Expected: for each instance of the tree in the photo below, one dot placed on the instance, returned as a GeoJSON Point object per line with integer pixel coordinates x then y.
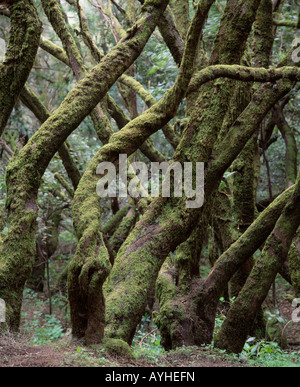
{"type": "Point", "coordinates": [225, 101]}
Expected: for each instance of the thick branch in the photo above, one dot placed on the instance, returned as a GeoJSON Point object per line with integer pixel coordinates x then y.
{"type": "Point", "coordinates": [33, 103]}
{"type": "Point", "coordinates": [240, 318]}
{"type": "Point", "coordinates": [25, 171]}
{"type": "Point", "coordinates": [286, 23]}
{"type": "Point", "coordinates": [20, 55]}
{"type": "Point", "coordinates": [243, 73]}
{"type": "Point", "coordinates": [290, 144]}
{"type": "Point", "coordinates": [244, 247]}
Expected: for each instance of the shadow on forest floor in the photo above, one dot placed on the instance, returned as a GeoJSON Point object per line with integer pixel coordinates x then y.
{"type": "Point", "coordinates": [45, 341]}
{"type": "Point", "coordinates": [16, 351]}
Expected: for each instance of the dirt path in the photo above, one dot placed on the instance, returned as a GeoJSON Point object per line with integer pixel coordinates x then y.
{"type": "Point", "coordinates": [17, 353]}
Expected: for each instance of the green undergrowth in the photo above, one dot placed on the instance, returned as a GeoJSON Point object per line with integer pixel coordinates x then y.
{"type": "Point", "coordinates": [42, 324]}
{"type": "Point", "coordinates": [146, 343]}
{"type": "Point", "coordinates": [269, 354]}
{"type": "Point", "coordinates": [44, 328]}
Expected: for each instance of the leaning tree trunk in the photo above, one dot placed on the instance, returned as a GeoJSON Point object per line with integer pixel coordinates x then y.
{"type": "Point", "coordinates": [294, 264]}
{"type": "Point", "coordinates": [14, 71]}
{"type": "Point", "coordinates": [26, 169]}
{"type": "Point", "coordinates": [161, 230]}
{"type": "Point", "coordinates": [167, 223]}
{"type": "Point", "coordinates": [208, 292]}
{"type": "Point", "coordinates": [130, 138]}
{"type": "Point", "coordinates": [22, 47]}
{"type": "Point", "coordinates": [241, 315]}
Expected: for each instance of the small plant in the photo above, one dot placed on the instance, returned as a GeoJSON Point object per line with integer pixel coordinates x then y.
{"type": "Point", "coordinates": [88, 357]}
{"type": "Point", "coordinates": [269, 354]}
{"type": "Point", "coordinates": [146, 343]}
{"type": "Point", "coordinates": [220, 317]}
{"type": "Point", "coordinates": [44, 328]}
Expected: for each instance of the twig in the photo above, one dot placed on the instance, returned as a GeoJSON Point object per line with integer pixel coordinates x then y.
{"type": "Point", "coordinates": [46, 260]}
{"type": "Point", "coordinates": [100, 7]}
{"type": "Point", "coordinates": [267, 164]}
{"type": "Point", "coordinates": [143, 338]}
{"type": "Point", "coordinates": [6, 147]}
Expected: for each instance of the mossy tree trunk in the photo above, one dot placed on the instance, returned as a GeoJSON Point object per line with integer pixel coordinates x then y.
{"type": "Point", "coordinates": [241, 315]}
{"type": "Point", "coordinates": [123, 260]}
{"type": "Point", "coordinates": [22, 47]}
{"type": "Point", "coordinates": [294, 264]}
{"type": "Point", "coordinates": [126, 141]}
{"type": "Point", "coordinates": [25, 170]}
{"type": "Point", "coordinates": [167, 223]}
{"type": "Point", "coordinates": [209, 291]}
{"type": "Point", "coordinates": [290, 143]}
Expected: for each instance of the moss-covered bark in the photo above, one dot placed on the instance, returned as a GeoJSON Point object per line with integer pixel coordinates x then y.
{"type": "Point", "coordinates": [169, 31]}
{"type": "Point", "coordinates": [167, 222]}
{"type": "Point", "coordinates": [46, 247]}
{"type": "Point", "coordinates": [181, 13]}
{"type": "Point", "coordinates": [22, 47]}
{"type": "Point", "coordinates": [294, 264]}
{"type": "Point", "coordinates": [290, 144]}
{"type": "Point", "coordinates": [72, 57]}
{"type": "Point", "coordinates": [241, 315]}
{"type": "Point", "coordinates": [123, 230]}
{"type": "Point", "coordinates": [246, 166]}
{"type": "Point", "coordinates": [176, 318]}
{"type": "Point", "coordinates": [244, 202]}
{"type": "Point", "coordinates": [263, 34]}
{"type": "Point", "coordinates": [171, 35]}
{"type": "Point", "coordinates": [110, 227]}
{"type": "Point", "coordinates": [217, 105]}
{"type": "Point", "coordinates": [59, 23]}
{"type": "Point", "coordinates": [24, 39]}
{"type": "Point", "coordinates": [55, 15]}
{"type": "Point", "coordinates": [161, 229]}
{"type": "Point", "coordinates": [26, 169]}
{"type": "Point", "coordinates": [92, 257]}
{"type": "Point", "coordinates": [212, 288]}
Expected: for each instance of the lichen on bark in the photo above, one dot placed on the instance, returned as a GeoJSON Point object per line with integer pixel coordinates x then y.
{"type": "Point", "coordinates": [22, 47]}
{"type": "Point", "coordinates": [241, 315]}
{"type": "Point", "coordinates": [27, 167]}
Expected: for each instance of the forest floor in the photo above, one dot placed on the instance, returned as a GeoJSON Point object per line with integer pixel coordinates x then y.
{"type": "Point", "coordinates": [45, 341]}
{"type": "Point", "coordinates": [16, 352]}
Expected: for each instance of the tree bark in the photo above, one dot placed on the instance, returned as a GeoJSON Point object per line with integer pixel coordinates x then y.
{"type": "Point", "coordinates": [22, 47]}
{"type": "Point", "coordinates": [167, 223]}
{"type": "Point", "coordinates": [26, 169]}
{"type": "Point", "coordinates": [241, 315]}
{"type": "Point", "coordinates": [290, 144]}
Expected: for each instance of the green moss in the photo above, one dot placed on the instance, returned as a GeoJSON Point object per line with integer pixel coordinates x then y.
{"type": "Point", "coordinates": [263, 34]}
{"type": "Point", "coordinates": [110, 227]}
{"type": "Point", "coordinates": [117, 348]}
{"type": "Point", "coordinates": [20, 55]}
{"type": "Point", "coordinates": [55, 15]}
{"type": "Point", "coordinates": [294, 259]}
{"type": "Point", "coordinates": [123, 230]}
{"type": "Point", "coordinates": [2, 219]}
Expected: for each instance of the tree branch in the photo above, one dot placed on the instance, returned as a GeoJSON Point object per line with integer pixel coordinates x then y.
{"type": "Point", "coordinates": [243, 73]}
{"type": "Point", "coordinates": [22, 47]}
